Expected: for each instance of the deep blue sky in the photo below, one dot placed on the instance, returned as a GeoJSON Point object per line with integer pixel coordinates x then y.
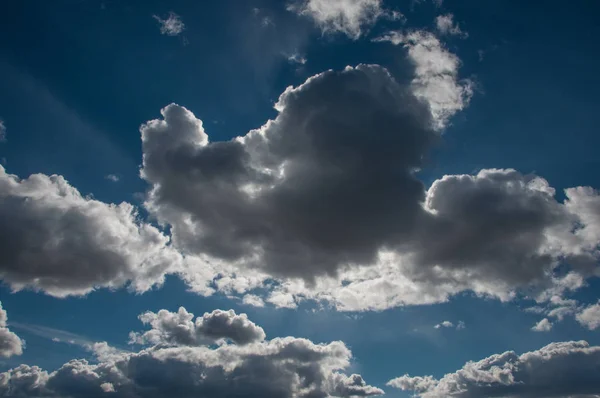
{"type": "Point", "coordinates": [77, 78]}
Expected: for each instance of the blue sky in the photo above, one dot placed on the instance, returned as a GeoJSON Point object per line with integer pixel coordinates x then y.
{"type": "Point", "coordinates": [457, 87]}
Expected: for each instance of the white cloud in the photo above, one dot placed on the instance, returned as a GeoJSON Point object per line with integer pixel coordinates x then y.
{"type": "Point", "coordinates": [566, 369]}
{"type": "Point", "coordinates": [112, 177]}
{"type": "Point", "coordinates": [350, 17]}
{"type": "Point", "coordinates": [446, 26]}
{"type": "Point", "coordinates": [436, 74]}
{"type": "Point", "coordinates": [253, 300]}
{"type": "Point", "coordinates": [172, 25]}
{"type": "Point", "coordinates": [178, 328]}
{"type": "Point", "coordinates": [445, 324]}
{"type": "Point", "coordinates": [10, 343]}
{"type": "Point", "coordinates": [281, 367]}
{"type": "Point", "coordinates": [55, 240]}
{"type": "Point", "coordinates": [542, 326]}
{"type": "Point", "coordinates": [590, 316]}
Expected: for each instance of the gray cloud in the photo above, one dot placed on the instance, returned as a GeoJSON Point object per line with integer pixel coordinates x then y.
{"type": "Point", "coordinates": [327, 183]}
{"type": "Point", "coordinates": [324, 198]}
{"type": "Point", "coordinates": [10, 343]}
{"type": "Point", "coordinates": [282, 367]}
{"type": "Point", "coordinates": [568, 369]}
{"type": "Point", "coordinates": [178, 328]}
{"type": "Point", "coordinates": [56, 240]}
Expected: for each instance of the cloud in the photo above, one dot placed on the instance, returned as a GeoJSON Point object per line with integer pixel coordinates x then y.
{"type": "Point", "coordinates": [297, 197]}
{"type": "Point", "coordinates": [10, 343]}
{"type": "Point", "coordinates": [179, 329]}
{"type": "Point", "coordinates": [296, 59]}
{"type": "Point", "coordinates": [253, 300]}
{"type": "Point", "coordinates": [566, 369]}
{"type": "Point", "coordinates": [2, 131]}
{"type": "Point", "coordinates": [112, 177]}
{"type": "Point", "coordinates": [542, 326]}
{"type": "Point", "coordinates": [311, 207]}
{"type": "Point", "coordinates": [446, 26]}
{"type": "Point", "coordinates": [445, 324]}
{"type": "Point", "coordinates": [590, 317]}
{"type": "Point", "coordinates": [350, 17]}
{"type": "Point", "coordinates": [281, 367]}
{"type": "Point", "coordinates": [56, 335]}
{"type": "Point", "coordinates": [172, 25]}
{"type": "Point", "coordinates": [55, 240]}
{"type": "Point", "coordinates": [436, 74]}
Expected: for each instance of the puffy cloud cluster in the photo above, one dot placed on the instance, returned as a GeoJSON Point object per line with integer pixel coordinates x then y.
{"type": "Point", "coordinates": [10, 343]}
{"type": "Point", "coordinates": [323, 203]}
{"type": "Point", "coordinates": [281, 367]}
{"type": "Point", "coordinates": [56, 240]}
{"type": "Point", "coordinates": [178, 328]}
{"type": "Point", "coordinates": [350, 17]}
{"type": "Point", "coordinates": [436, 74]}
{"type": "Point", "coordinates": [568, 369]}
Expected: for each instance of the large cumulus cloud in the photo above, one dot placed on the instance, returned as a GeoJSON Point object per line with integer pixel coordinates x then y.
{"type": "Point", "coordinates": [281, 367]}
{"type": "Point", "coordinates": [569, 369]}
{"type": "Point", "coordinates": [325, 199]}
{"type": "Point", "coordinates": [56, 240]}
{"type": "Point", "coordinates": [327, 183]}
{"type": "Point", "coordinates": [10, 343]}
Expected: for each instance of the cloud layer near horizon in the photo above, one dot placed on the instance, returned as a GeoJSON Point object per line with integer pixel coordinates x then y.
{"type": "Point", "coordinates": [566, 369]}
{"type": "Point", "coordinates": [281, 367]}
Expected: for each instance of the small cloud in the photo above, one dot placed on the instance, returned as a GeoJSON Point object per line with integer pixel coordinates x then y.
{"type": "Point", "coordinates": [253, 300]}
{"type": "Point", "coordinates": [112, 177]}
{"type": "Point", "coordinates": [172, 25]}
{"type": "Point", "coordinates": [107, 387]}
{"type": "Point", "coordinates": [542, 326]}
{"type": "Point", "coordinates": [446, 26]}
{"type": "Point", "coordinates": [481, 54]}
{"type": "Point", "coordinates": [296, 59]}
{"type": "Point", "coordinates": [590, 317]}
{"type": "Point", "coordinates": [445, 324]}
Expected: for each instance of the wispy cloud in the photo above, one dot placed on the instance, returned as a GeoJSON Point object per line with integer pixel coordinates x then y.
{"type": "Point", "coordinates": [170, 26]}
{"type": "Point", "coordinates": [56, 335]}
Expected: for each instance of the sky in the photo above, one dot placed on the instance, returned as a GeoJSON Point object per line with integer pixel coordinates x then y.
{"type": "Point", "coordinates": [300, 198]}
